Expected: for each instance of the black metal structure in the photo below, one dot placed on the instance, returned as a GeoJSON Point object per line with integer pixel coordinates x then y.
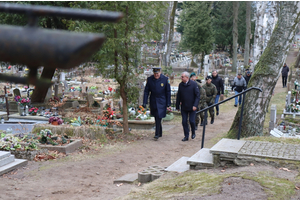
{"type": "Point", "coordinates": [37, 47]}
{"type": "Point", "coordinates": [241, 118]}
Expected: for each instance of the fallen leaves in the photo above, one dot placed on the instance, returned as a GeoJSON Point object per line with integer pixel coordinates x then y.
{"type": "Point", "coordinates": [51, 155]}
{"type": "Point", "coordinates": [118, 185]}
{"type": "Point", "coordinates": [297, 187]}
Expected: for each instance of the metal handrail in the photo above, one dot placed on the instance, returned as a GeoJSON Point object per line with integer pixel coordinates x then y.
{"type": "Point", "coordinates": [211, 106]}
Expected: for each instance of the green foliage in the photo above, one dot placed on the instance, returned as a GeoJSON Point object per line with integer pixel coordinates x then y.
{"type": "Point", "coordinates": [142, 22]}
{"type": "Point", "coordinates": [45, 22]}
{"type": "Point", "coordinates": [197, 27]}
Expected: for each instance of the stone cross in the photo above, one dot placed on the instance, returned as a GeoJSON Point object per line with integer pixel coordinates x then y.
{"type": "Point", "coordinates": [289, 98]}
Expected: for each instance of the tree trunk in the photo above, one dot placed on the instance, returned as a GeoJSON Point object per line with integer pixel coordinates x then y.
{"type": "Point", "coordinates": [267, 72]}
{"type": "Point", "coordinates": [125, 109]}
{"type": "Point", "coordinates": [248, 33]}
{"type": "Point", "coordinates": [298, 60]}
{"type": "Point", "coordinates": [235, 34]}
{"type": "Point", "coordinates": [258, 39]}
{"type": "Point", "coordinates": [272, 19]}
{"type": "Point", "coordinates": [40, 92]}
{"type": "Point", "coordinates": [171, 32]}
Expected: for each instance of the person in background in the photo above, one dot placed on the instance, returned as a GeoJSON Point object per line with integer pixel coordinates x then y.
{"type": "Point", "coordinates": [211, 93]}
{"type": "Point", "coordinates": [160, 98]}
{"type": "Point", "coordinates": [202, 102]}
{"type": "Point", "coordinates": [247, 77]}
{"type": "Point", "coordinates": [239, 84]}
{"type": "Point", "coordinates": [218, 82]}
{"type": "Point", "coordinates": [284, 72]}
{"type": "Point", "coordinates": [188, 97]}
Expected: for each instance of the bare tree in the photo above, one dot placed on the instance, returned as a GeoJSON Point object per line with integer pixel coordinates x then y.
{"type": "Point", "coordinates": [272, 19]}
{"type": "Point", "coordinates": [248, 33]}
{"type": "Point", "coordinates": [171, 31]}
{"type": "Point", "coordinates": [267, 72]}
{"type": "Point", "coordinates": [235, 33]}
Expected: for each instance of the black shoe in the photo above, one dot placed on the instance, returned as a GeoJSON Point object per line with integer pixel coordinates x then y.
{"type": "Point", "coordinates": [235, 105]}
{"type": "Point", "coordinates": [217, 112]}
{"type": "Point", "coordinates": [160, 136]}
{"type": "Point", "coordinates": [201, 123]}
{"type": "Point", "coordinates": [193, 136]}
{"type": "Point", "coordinates": [156, 137]}
{"type": "Point", "coordinates": [196, 127]}
{"type": "Point", "coordinates": [185, 139]}
{"type": "Point", "coordinates": [212, 120]}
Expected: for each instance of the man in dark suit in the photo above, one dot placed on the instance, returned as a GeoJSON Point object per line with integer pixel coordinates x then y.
{"type": "Point", "coordinates": [188, 97]}
{"type": "Point", "coordinates": [160, 98]}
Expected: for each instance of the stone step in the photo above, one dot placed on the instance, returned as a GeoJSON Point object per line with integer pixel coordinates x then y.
{"type": "Point", "coordinates": [201, 160]}
{"type": "Point", "coordinates": [14, 165]}
{"type": "Point", "coordinates": [4, 154]}
{"type": "Point", "coordinates": [179, 166]}
{"type": "Point", "coordinates": [227, 149]}
{"type": "Point", "coordinates": [7, 160]}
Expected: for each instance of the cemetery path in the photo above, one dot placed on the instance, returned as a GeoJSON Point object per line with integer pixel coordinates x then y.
{"type": "Point", "coordinates": [90, 175]}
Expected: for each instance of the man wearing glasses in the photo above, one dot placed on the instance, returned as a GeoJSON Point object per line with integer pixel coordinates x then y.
{"type": "Point", "coordinates": [160, 98]}
{"type": "Point", "coordinates": [188, 97]}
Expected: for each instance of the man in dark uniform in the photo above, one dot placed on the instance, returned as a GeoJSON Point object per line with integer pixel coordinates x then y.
{"type": "Point", "coordinates": [188, 97]}
{"type": "Point", "coordinates": [211, 93]}
{"type": "Point", "coordinates": [285, 72]}
{"type": "Point", "coordinates": [202, 102]}
{"type": "Point", "coordinates": [160, 98]}
{"type": "Point", "coordinates": [218, 82]}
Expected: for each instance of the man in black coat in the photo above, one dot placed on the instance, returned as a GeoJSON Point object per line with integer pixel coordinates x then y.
{"type": "Point", "coordinates": [160, 98]}
{"type": "Point", "coordinates": [285, 71]}
{"type": "Point", "coordinates": [188, 97]}
{"type": "Point", "coordinates": [218, 82]}
{"type": "Point", "coordinates": [247, 77]}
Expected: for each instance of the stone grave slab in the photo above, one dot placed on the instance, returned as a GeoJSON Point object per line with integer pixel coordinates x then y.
{"type": "Point", "coordinates": [4, 154]}
{"type": "Point", "coordinates": [227, 146]}
{"type": "Point", "coordinates": [201, 159]}
{"type": "Point", "coordinates": [273, 133]}
{"type": "Point", "coordinates": [13, 165]}
{"type": "Point", "coordinates": [7, 160]}
{"type": "Point", "coordinates": [179, 166]}
{"type": "Point", "coordinates": [128, 178]}
{"type": "Point", "coordinates": [69, 148]}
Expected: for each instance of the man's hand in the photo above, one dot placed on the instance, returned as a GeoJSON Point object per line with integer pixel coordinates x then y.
{"type": "Point", "coordinates": [222, 95]}
{"type": "Point", "coordinates": [194, 108]}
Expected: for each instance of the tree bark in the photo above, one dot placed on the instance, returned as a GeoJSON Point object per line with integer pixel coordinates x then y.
{"type": "Point", "coordinates": [40, 92]}
{"type": "Point", "coordinates": [171, 32]}
{"type": "Point", "coordinates": [258, 39]}
{"type": "Point", "coordinates": [298, 60]}
{"type": "Point", "coordinates": [267, 72]}
{"type": "Point", "coordinates": [272, 19]}
{"type": "Point", "coordinates": [235, 34]}
{"type": "Point", "coordinates": [248, 33]}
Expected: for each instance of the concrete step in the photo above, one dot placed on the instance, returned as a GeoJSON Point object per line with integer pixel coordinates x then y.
{"type": "Point", "coordinates": [14, 165]}
{"type": "Point", "coordinates": [227, 149]}
{"type": "Point", "coordinates": [179, 166]}
{"type": "Point", "coordinates": [201, 160]}
{"type": "Point", "coordinates": [7, 160]}
{"type": "Point", "coordinates": [4, 154]}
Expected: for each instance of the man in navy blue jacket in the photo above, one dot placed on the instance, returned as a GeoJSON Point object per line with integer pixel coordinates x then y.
{"type": "Point", "coordinates": [160, 98]}
{"type": "Point", "coordinates": [188, 97]}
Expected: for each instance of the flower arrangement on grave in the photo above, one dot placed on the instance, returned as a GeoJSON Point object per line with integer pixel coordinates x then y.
{"type": "Point", "coordinates": [108, 113]}
{"type": "Point", "coordinates": [33, 110]}
{"type": "Point", "coordinates": [53, 120]}
{"type": "Point", "coordinates": [45, 137]}
{"type": "Point", "coordinates": [22, 101]}
{"type": "Point", "coordinates": [295, 107]}
{"type": "Point", "coordinates": [9, 142]}
{"type": "Point", "coordinates": [169, 110]}
{"type": "Point", "coordinates": [142, 114]}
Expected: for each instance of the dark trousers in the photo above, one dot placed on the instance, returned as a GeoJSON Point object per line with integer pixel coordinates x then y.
{"type": "Point", "coordinates": [158, 128]}
{"type": "Point", "coordinates": [284, 79]}
{"type": "Point", "coordinates": [185, 115]}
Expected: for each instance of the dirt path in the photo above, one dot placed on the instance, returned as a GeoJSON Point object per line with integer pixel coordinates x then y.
{"type": "Point", "coordinates": [91, 175]}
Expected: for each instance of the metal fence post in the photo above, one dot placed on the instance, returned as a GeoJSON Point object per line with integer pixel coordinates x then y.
{"type": "Point", "coordinates": [203, 132]}
{"type": "Point", "coordinates": [241, 117]}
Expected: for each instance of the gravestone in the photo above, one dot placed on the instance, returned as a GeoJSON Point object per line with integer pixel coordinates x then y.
{"type": "Point", "coordinates": [289, 98]}
{"type": "Point", "coordinates": [90, 100]}
{"type": "Point", "coordinates": [272, 121]}
{"type": "Point", "coordinates": [62, 76]}
{"type": "Point", "coordinates": [48, 95]}
{"type": "Point", "coordinates": [56, 90]}
{"type": "Point", "coordinates": [16, 92]}
{"type": "Point", "coordinates": [75, 104]}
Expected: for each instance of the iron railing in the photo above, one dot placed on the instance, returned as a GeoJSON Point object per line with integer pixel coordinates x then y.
{"type": "Point", "coordinates": [241, 118]}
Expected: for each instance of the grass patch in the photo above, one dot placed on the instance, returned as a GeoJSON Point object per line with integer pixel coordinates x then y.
{"type": "Point", "coordinates": [200, 184]}
{"type": "Point", "coordinates": [274, 139]}
{"type": "Point", "coordinates": [189, 183]}
{"type": "Point", "coordinates": [277, 188]}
